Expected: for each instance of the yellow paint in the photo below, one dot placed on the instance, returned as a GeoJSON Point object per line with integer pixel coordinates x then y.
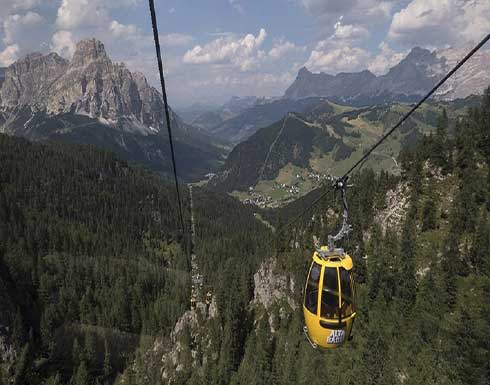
{"type": "Point", "coordinates": [317, 333]}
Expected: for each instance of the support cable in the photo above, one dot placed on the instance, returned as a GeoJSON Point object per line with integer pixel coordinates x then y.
{"type": "Point", "coordinates": [338, 183]}
{"type": "Point", "coordinates": [165, 102]}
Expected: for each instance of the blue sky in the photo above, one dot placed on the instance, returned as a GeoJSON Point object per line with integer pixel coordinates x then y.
{"type": "Point", "coordinates": [214, 49]}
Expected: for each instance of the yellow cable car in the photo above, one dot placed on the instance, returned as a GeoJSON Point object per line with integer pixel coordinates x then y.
{"type": "Point", "coordinates": [328, 305]}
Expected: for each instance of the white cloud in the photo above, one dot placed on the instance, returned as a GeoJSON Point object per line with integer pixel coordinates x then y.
{"type": "Point", "coordinates": [264, 79]}
{"type": "Point", "coordinates": [28, 32]}
{"type": "Point", "coordinates": [176, 40]}
{"type": "Point", "coordinates": [17, 26]}
{"type": "Point", "coordinates": [237, 5]}
{"type": "Point", "coordinates": [10, 6]}
{"type": "Point", "coordinates": [119, 30]}
{"type": "Point", "coordinates": [241, 52]}
{"type": "Point", "coordinates": [348, 32]}
{"type": "Point", "coordinates": [354, 11]}
{"type": "Point", "coordinates": [9, 55]}
{"type": "Point", "coordinates": [436, 23]}
{"type": "Point", "coordinates": [282, 48]}
{"type": "Point", "coordinates": [62, 42]}
{"type": "Point", "coordinates": [343, 59]}
{"type": "Point", "coordinates": [337, 53]}
{"type": "Point", "coordinates": [73, 14]}
{"type": "Point", "coordinates": [385, 59]}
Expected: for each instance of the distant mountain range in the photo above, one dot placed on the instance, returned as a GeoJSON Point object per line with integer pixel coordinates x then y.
{"type": "Point", "coordinates": [327, 138]}
{"type": "Point", "coordinates": [414, 76]}
{"type": "Point", "coordinates": [90, 99]}
{"type": "Point", "coordinates": [406, 82]}
{"type": "Point", "coordinates": [263, 113]}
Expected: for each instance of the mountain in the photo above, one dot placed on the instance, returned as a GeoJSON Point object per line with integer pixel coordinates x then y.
{"type": "Point", "coordinates": [342, 85]}
{"type": "Point", "coordinates": [470, 78]}
{"type": "Point", "coordinates": [414, 76]}
{"type": "Point", "coordinates": [95, 283]}
{"type": "Point", "coordinates": [189, 113]}
{"type": "Point", "coordinates": [2, 75]}
{"type": "Point", "coordinates": [263, 113]}
{"type": "Point", "coordinates": [211, 118]}
{"type": "Point", "coordinates": [90, 99]}
{"type": "Point", "coordinates": [297, 153]}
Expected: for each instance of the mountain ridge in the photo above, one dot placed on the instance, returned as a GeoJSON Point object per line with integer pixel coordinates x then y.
{"type": "Point", "coordinates": [412, 77]}
{"type": "Point", "coordinates": [121, 105]}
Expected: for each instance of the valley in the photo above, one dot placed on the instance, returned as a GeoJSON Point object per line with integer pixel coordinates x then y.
{"type": "Point", "coordinates": [100, 284]}
{"type": "Point", "coordinates": [270, 170]}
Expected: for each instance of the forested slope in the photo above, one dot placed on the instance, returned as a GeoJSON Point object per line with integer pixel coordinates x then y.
{"type": "Point", "coordinates": [87, 250]}
{"type": "Point", "coordinates": [94, 305]}
{"type": "Point", "coordinates": [421, 246]}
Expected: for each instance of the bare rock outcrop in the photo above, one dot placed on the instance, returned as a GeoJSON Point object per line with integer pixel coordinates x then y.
{"type": "Point", "coordinates": [90, 84]}
{"type": "Point", "coordinates": [271, 287]}
{"type": "Point", "coordinates": [397, 202]}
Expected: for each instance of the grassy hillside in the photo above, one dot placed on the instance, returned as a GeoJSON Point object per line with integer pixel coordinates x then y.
{"type": "Point", "coordinates": [325, 140]}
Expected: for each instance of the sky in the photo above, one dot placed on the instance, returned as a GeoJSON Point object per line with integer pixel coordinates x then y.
{"type": "Point", "coordinates": [214, 49]}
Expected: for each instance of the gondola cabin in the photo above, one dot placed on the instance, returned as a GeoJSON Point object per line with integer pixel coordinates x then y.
{"type": "Point", "coordinates": [328, 305]}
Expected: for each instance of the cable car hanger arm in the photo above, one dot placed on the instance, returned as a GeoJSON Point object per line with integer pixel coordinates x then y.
{"type": "Point", "coordinates": [341, 184]}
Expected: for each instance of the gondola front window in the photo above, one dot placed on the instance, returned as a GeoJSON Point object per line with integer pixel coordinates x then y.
{"type": "Point", "coordinates": [330, 294]}
{"type": "Point", "coordinates": [311, 293]}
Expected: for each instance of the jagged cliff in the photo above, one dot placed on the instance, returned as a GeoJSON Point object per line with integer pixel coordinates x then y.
{"type": "Point", "coordinates": [90, 84]}
{"type": "Point", "coordinates": [414, 76]}
{"type": "Point", "coordinates": [90, 99]}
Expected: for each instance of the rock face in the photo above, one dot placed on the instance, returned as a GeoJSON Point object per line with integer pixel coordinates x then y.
{"type": "Point", "coordinates": [414, 76]}
{"type": "Point", "coordinates": [471, 78]}
{"type": "Point", "coordinates": [397, 202]}
{"type": "Point", "coordinates": [343, 85]}
{"type": "Point", "coordinates": [2, 75]}
{"type": "Point", "coordinates": [90, 84]}
{"type": "Point", "coordinates": [91, 99]}
{"type": "Point", "coordinates": [270, 287]}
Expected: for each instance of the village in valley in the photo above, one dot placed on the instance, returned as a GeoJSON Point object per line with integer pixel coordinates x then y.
{"type": "Point", "coordinates": [278, 194]}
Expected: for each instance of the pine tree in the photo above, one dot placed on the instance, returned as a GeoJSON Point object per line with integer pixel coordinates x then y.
{"type": "Point", "coordinates": [81, 376]}
{"type": "Point", "coordinates": [406, 280]}
{"type": "Point", "coordinates": [77, 355]}
{"type": "Point", "coordinates": [53, 380]}
{"type": "Point", "coordinates": [89, 351]}
{"type": "Point", "coordinates": [18, 332]}
{"type": "Point", "coordinates": [22, 366]}
{"type": "Point", "coordinates": [439, 153]}
{"type": "Point", "coordinates": [107, 368]}
{"type": "Point", "coordinates": [429, 214]}
{"type": "Point", "coordinates": [480, 256]}
{"type": "Point", "coordinates": [428, 309]}
{"type": "Point", "coordinates": [376, 263]}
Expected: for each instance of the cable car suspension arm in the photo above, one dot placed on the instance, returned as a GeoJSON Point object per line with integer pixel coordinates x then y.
{"type": "Point", "coordinates": [341, 184]}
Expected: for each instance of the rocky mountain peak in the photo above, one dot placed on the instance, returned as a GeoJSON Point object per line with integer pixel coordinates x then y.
{"type": "Point", "coordinates": [303, 72]}
{"type": "Point", "coordinates": [418, 52]}
{"type": "Point", "coordinates": [412, 77]}
{"type": "Point", "coordinates": [90, 84]}
{"type": "Point", "coordinates": [89, 50]}
{"type": "Point", "coordinates": [419, 57]}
